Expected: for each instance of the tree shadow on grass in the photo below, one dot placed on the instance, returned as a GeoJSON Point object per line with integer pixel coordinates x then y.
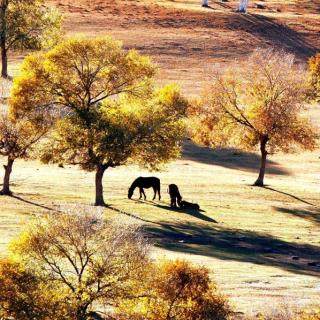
{"type": "Point", "coordinates": [290, 195]}
{"type": "Point", "coordinates": [131, 215]}
{"type": "Point", "coordinates": [33, 203]}
{"type": "Point", "coordinates": [229, 158]}
{"type": "Point", "coordinates": [236, 245]}
{"type": "Point", "coordinates": [312, 215]}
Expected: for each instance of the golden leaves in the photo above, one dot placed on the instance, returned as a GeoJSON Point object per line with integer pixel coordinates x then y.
{"type": "Point", "coordinates": [264, 95]}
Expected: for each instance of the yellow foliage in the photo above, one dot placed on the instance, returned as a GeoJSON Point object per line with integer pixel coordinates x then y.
{"type": "Point", "coordinates": [258, 103]}
{"type": "Point", "coordinates": [314, 76]}
{"type": "Point", "coordinates": [24, 296]}
{"type": "Point", "coordinates": [176, 290]}
{"type": "Point", "coordinates": [106, 107]}
{"type": "Point", "coordinates": [264, 97]}
{"type": "Point", "coordinates": [312, 313]}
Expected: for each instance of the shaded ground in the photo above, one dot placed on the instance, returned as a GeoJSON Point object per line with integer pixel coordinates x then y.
{"type": "Point", "coordinates": [230, 158]}
{"type": "Point", "coordinates": [233, 244]}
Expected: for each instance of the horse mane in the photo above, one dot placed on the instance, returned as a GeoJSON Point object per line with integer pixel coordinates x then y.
{"type": "Point", "coordinates": [133, 185]}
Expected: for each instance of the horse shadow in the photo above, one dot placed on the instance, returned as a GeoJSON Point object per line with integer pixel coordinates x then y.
{"type": "Point", "coordinates": [192, 212]}
{"type": "Point", "coordinates": [189, 211]}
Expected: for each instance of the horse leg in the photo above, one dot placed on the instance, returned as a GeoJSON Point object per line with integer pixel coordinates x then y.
{"type": "Point", "coordinates": [174, 202]}
{"type": "Point", "coordinates": [140, 190]}
{"type": "Point", "coordinates": [154, 193]}
{"type": "Point", "coordinates": [159, 193]}
{"type": "Point", "coordinates": [145, 198]}
{"type": "Point", "coordinates": [179, 199]}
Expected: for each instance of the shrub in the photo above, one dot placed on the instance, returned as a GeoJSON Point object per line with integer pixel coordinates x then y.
{"type": "Point", "coordinates": [25, 296]}
{"type": "Point", "coordinates": [312, 313]}
{"type": "Point", "coordinates": [314, 72]}
{"type": "Point", "coordinates": [177, 290]}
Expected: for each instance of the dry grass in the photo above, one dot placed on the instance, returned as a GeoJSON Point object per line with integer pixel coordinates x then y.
{"type": "Point", "coordinates": [185, 40]}
{"type": "Point", "coordinates": [247, 236]}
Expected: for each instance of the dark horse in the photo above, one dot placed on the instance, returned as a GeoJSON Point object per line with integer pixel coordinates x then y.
{"type": "Point", "coordinates": [175, 195]}
{"type": "Point", "coordinates": [145, 182]}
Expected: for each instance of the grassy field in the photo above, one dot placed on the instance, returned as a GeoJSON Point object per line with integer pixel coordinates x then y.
{"type": "Point", "coordinates": [260, 243]}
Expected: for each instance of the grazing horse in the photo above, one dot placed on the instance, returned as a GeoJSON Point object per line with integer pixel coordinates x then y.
{"type": "Point", "coordinates": [189, 205]}
{"type": "Point", "coordinates": [175, 195]}
{"type": "Point", "coordinates": [145, 182]}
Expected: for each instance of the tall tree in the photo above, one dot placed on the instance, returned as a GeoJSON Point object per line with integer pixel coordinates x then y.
{"type": "Point", "coordinates": [26, 24]}
{"type": "Point", "coordinates": [258, 103]}
{"type": "Point", "coordinates": [110, 111]}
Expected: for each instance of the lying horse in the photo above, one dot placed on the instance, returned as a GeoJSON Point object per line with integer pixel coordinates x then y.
{"type": "Point", "coordinates": [189, 205]}
{"type": "Point", "coordinates": [175, 195]}
{"type": "Point", "coordinates": [145, 182]}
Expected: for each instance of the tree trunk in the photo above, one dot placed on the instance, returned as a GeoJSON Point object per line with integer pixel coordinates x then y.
{"type": "Point", "coordinates": [3, 38]}
{"type": "Point", "coordinates": [101, 168]}
{"type": "Point", "coordinates": [263, 144]}
{"type": "Point", "coordinates": [81, 313]}
{"type": "Point", "coordinates": [4, 61]}
{"type": "Point", "coordinates": [6, 181]}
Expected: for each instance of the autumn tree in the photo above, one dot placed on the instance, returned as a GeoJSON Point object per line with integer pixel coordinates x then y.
{"type": "Point", "coordinates": [177, 290]}
{"type": "Point", "coordinates": [314, 76]}
{"type": "Point", "coordinates": [83, 259]}
{"type": "Point", "coordinates": [26, 24]}
{"type": "Point", "coordinates": [259, 103]}
{"type": "Point", "coordinates": [17, 140]}
{"type": "Point", "coordinates": [111, 112]}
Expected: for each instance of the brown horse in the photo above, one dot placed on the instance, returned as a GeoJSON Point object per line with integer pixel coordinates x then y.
{"type": "Point", "coordinates": [175, 195]}
{"type": "Point", "coordinates": [145, 182]}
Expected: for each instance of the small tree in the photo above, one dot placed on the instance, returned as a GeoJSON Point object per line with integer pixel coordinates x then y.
{"type": "Point", "coordinates": [257, 103]}
{"type": "Point", "coordinates": [111, 113]}
{"type": "Point", "coordinates": [180, 291]}
{"type": "Point", "coordinates": [26, 24]}
{"type": "Point", "coordinates": [89, 261]}
{"type": "Point", "coordinates": [314, 76]}
{"type": "Point", "coordinates": [17, 140]}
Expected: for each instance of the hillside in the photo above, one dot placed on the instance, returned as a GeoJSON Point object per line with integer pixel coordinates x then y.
{"type": "Point", "coordinates": [186, 40]}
